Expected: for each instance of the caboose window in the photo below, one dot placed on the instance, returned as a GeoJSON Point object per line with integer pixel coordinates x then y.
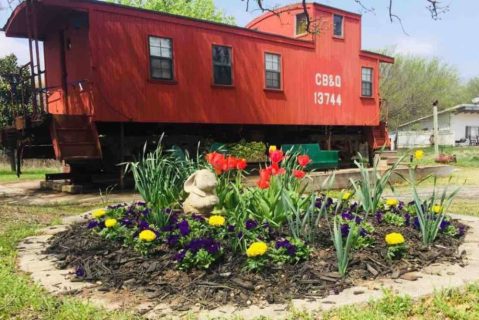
{"type": "Point", "coordinates": [338, 26]}
{"type": "Point", "coordinates": [367, 82]}
{"type": "Point", "coordinates": [161, 58]}
{"type": "Point", "coordinates": [272, 64]}
{"type": "Point", "coordinates": [301, 24]}
{"type": "Point", "coordinates": [222, 72]}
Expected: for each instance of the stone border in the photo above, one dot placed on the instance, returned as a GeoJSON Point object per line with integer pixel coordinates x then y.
{"type": "Point", "coordinates": [42, 269]}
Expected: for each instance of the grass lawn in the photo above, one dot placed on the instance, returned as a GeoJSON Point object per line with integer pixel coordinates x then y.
{"type": "Point", "coordinates": [20, 299]}
{"type": "Point", "coordinates": [466, 156]}
{"type": "Point", "coordinates": [31, 170]}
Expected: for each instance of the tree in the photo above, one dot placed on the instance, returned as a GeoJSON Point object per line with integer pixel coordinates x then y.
{"type": "Point", "coordinates": [411, 85]}
{"type": "Point", "coordinates": [14, 91]}
{"type": "Point", "coordinates": [471, 89]}
{"type": "Point", "coordinates": [199, 9]}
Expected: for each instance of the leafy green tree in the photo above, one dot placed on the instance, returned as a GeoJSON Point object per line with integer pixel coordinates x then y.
{"type": "Point", "coordinates": [12, 90]}
{"type": "Point", "coordinates": [411, 85]}
{"type": "Point", "coordinates": [200, 9]}
{"type": "Point", "coordinates": [471, 89]}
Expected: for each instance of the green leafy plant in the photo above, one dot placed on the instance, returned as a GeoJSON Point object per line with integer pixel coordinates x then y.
{"type": "Point", "coordinates": [370, 187]}
{"type": "Point", "coordinates": [303, 221]}
{"type": "Point", "coordinates": [431, 211]}
{"type": "Point", "coordinates": [159, 176]}
{"type": "Point", "coordinates": [394, 219]}
{"type": "Point", "coordinates": [343, 248]}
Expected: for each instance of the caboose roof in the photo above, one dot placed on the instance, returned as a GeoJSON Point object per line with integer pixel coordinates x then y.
{"type": "Point", "coordinates": [16, 25]}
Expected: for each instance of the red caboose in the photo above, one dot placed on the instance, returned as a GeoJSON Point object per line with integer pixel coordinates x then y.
{"type": "Point", "coordinates": [116, 75]}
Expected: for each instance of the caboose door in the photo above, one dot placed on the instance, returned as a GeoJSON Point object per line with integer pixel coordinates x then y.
{"type": "Point", "coordinates": [77, 65]}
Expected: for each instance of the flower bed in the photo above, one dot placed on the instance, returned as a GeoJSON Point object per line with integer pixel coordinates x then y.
{"type": "Point", "coordinates": [269, 243]}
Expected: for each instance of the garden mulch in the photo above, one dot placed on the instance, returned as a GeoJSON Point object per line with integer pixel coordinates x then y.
{"type": "Point", "coordinates": [117, 267]}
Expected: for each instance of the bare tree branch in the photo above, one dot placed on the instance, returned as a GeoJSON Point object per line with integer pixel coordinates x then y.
{"type": "Point", "coordinates": [435, 8]}
{"type": "Point", "coordinates": [393, 16]}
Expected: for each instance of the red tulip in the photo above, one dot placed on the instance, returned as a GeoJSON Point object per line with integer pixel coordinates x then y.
{"type": "Point", "coordinates": [276, 156]}
{"type": "Point", "coordinates": [231, 163]}
{"type": "Point", "coordinates": [275, 170]}
{"type": "Point", "coordinates": [304, 160]}
{"type": "Point", "coordinates": [299, 174]}
{"type": "Point", "coordinates": [217, 161]}
{"type": "Point", "coordinates": [265, 174]}
{"type": "Point", "coordinates": [241, 164]}
{"type": "Point", "coordinates": [263, 184]}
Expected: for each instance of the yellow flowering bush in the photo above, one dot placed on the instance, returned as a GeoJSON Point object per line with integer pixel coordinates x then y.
{"type": "Point", "coordinates": [394, 238]}
{"type": "Point", "coordinates": [347, 195]}
{"type": "Point", "coordinates": [392, 202]}
{"type": "Point", "coordinates": [147, 236]}
{"type": "Point", "coordinates": [98, 213]}
{"type": "Point", "coordinates": [258, 248]}
{"type": "Point", "coordinates": [216, 221]}
{"type": "Point", "coordinates": [419, 154]}
{"type": "Point", "coordinates": [437, 208]}
{"type": "Point", "coordinates": [110, 223]}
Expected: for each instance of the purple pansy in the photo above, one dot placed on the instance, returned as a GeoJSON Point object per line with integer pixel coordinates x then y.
{"type": "Point", "coordinates": [80, 272]}
{"type": "Point", "coordinates": [143, 225]}
{"type": "Point", "coordinates": [379, 216]}
{"type": "Point", "coordinates": [344, 229]}
{"type": "Point", "coordinates": [407, 219]}
{"type": "Point", "coordinates": [184, 228]}
{"type": "Point", "coordinates": [198, 217]}
{"type": "Point", "coordinates": [92, 224]}
{"type": "Point", "coordinates": [251, 224]}
{"type": "Point", "coordinates": [347, 215]}
{"type": "Point", "coordinates": [444, 224]}
{"type": "Point", "coordinates": [358, 220]}
{"type": "Point", "coordinates": [180, 255]}
{"type": "Point", "coordinates": [416, 223]}
{"type": "Point", "coordinates": [290, 248]}
{"type": "Point", "coordinates": [172, 240]}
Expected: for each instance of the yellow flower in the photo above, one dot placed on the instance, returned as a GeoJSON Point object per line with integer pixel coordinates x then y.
{"type": "Point", "coordinates": [110, 223]}
{"type": "Point", "coordinates": [392, 202]}
{"type": "Point", "coordinates": [394, 239]}
{"type": "Point", "coordinates": [147, 235]}
{"type": "Point", "coordinates": [272, 148]}
{"type": "Point", "coordinates": [347, 195]}
{"type": "Point", "coordinates": [98, 213]}
{"type": "Point", "coordinates": [436, 208]}
{"type": "Point", "coordinates": [216, 221]}
{"type": "Point", "coordinates": [257, 249]}
{"type": "Point", "coordinates": [419, 154]}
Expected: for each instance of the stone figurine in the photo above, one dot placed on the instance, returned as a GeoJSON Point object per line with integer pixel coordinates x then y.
{"type": "Point", "coordinates": [201, 187]}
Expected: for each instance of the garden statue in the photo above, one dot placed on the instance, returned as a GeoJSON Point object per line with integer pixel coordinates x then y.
{"type": "Point", "coordinates": [201, 187]}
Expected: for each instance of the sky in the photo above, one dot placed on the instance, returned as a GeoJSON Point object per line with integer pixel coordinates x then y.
{"type": "Point", "coordinates": [453, 38]}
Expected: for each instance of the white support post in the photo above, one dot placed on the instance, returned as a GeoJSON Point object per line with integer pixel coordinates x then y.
{"type": "Point", "coordinates": [436, 132]}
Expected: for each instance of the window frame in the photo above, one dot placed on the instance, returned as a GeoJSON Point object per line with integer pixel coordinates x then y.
{"type": "Point", "coordinates": [296, 34]}
{"type": "Point", "coordinates": [265, 71]}
{"type": "Point", "coordinates": [171, 80]}
{"type": "Point", "coordinates": [231, 66]}
{"type": "Point", "coordinates": [371, 82]}
{"type": "Point", "coordinates": [342, 26]}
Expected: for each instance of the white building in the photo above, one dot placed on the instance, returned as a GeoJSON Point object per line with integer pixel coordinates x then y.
{"type": "Point", "coordinates": [459, 124]}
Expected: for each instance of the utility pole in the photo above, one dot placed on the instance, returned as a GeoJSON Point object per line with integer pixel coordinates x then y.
{"type": "Point", "coordinates": [436, 128]}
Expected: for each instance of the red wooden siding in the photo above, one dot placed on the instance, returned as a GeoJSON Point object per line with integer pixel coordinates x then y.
{"type": "Point", "coordinates": [111, 62]}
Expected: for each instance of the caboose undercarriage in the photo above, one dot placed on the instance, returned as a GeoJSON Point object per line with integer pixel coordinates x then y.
{"type": "Point", "coordinates": [90, 148]}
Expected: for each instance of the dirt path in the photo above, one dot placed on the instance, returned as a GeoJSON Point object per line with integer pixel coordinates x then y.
{"type": "Point", "coordinates": [29, 192]}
